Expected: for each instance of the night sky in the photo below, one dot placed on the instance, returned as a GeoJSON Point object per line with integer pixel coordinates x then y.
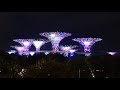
{"type": "Point", "coordinates": [105, 25]}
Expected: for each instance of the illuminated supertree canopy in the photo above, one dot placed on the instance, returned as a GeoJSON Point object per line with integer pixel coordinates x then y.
{"type": "Point", "coordinates": [20, 49]}
{"type": "Point", "coordinates": [87, 42]}
{"type": "Point", "coordinates": [24, 42]}
{"type": "Point", "coordinates": [55, 38]}
{"type": "Point", "coordinates": [68, 49]}
{"type": "Point", "coordinates": [39, 43]}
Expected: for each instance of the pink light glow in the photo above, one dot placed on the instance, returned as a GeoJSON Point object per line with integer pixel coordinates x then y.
{"type": "Point", "coordinates": [20, 49]}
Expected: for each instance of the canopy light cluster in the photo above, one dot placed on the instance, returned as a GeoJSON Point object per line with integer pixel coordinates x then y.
{"type": "Point", "coordinates": [87, 42]}
{"type": "Point", "coordinates": [55, 38]}
{"type": "Point", "coordinates": [68, 49]}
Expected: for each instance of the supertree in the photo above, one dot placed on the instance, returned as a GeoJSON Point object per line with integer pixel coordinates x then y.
{"type": "Point", "coordinates": [55, 38]}
{"type": "Point", "coordinates": [68, 49]}
{"type": "Point", "coordinates": [26, 43]}
{"type": "Point", "coordinates": [87, 43]}
{"type": "Point", "coordinates": [19, 49]}
{"type": "Point", "coordinates": [38, 43]}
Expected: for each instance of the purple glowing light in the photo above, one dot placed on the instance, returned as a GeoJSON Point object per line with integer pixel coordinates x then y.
{"type": "Point", "coordinates": [71, 54]}
{"type": "Point", "coordinates": [24, 42]}
{"type": "Point", "coordinates": [55, 38]}
{"type": "Point", "coordinates": [68, 49]}
{"type": "Point", "coordinates": [20, 49]}
{"type": "Point", "coordinates": [87, 42]}
{"type": "Point", "coordinates": [12, 51]}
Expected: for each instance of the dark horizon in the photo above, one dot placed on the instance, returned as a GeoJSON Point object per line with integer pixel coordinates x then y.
{"type": "Point", "coordinates": [105, 25]}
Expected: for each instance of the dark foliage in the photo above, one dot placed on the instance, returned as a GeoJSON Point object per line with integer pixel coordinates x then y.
{"type": "Point", "coordinates": [58, 66]}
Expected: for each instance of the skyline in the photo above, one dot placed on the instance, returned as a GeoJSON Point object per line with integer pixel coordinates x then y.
{"type": "Point", "coordinates": [105, 25]}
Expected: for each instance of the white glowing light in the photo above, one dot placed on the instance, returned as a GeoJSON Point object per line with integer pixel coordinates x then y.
{"type": "Point", "coordinates": [52, 35]}
{"type": "Point", "coordinates": [72, 51]}
{"type": "Point", "coordinates": [46, 53]}
{"type": "Point", "coordinates": [71, 54]}
{"type": "Point", "coordinates": [20, 49]}
{"type": "Point", "coordinates": [68, 49]}
{"type": "Point", "coordinates": [38, 44]}
{"type": "Point", "coordinates": [112, 53]}
{"type": "Point", "coordinates": [32, 53]}
{"type": "Point", "coordinates": [26, 44]}
{"type": "Point", "coordinates": [12, 51]}
{"type": "Point", "coordinates": [87, 43]}
{"type": "Point", "coordinates": [61, 53]}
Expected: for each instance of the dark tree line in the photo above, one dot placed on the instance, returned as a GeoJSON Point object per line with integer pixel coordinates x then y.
{"type": "Point", "coordinates": [58, 66]}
